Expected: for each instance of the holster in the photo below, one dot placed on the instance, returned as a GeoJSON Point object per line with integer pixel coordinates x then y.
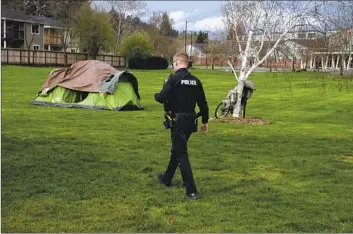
{"type": "Point", "coordinates": [184, 121]}
{"type": "Point", "coordinates": [169, 121]}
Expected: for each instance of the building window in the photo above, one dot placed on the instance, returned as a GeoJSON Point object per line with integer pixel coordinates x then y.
{"type": "Point", "coordinates": [36, 47]}
{"type": "Point", "coordinates": [35, 29]}
{"type": "Point", "coordinates": [311, 35]}
{"type": "Point", "coordinates": [301, 35]}
{"type": "Point", "coordinates": [73, 50]}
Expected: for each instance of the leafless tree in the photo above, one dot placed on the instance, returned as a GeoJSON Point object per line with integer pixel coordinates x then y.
{"type": "Point", "coordinates": [339, 15]}
{"type": "Point", "coordinates": [123, 9]}
{"type": "Point", "coordinates": [214, 50]}
{"type": "Point", "coordinates": [231, 45]}
{"type": "Point", "coordinates": [262, 21]}
{"type": "Point", "coordinates": [36, 19]}
{"type": "Point", "coordinates": [163, 45]}
{"type": "Point", "coordinates": [65, 14]}
{"type": "Point", "coordinates": [155, 22]}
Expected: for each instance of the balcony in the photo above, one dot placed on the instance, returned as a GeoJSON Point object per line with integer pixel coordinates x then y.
{"type": "Point", "coordinates": [13, 35]}
{"type": "Point", "coordinates": [53, 36]}
{"type": "Point", "coordinates": [14, 31]}
{"type": "Point", "coordinates": [51, 40]}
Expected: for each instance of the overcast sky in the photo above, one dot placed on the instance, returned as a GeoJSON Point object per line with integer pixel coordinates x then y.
{"type": "Point", "coordinates": [201, 15]}
{"type": "Point", "coordinates": [204, 15]}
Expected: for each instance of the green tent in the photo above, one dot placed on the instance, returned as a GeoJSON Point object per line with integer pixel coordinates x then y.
{"type": "Point", "coordinates": [90, 84]}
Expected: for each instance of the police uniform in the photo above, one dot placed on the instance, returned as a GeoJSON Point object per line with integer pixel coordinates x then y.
{"type": "Point", "coordinates": [180, 94]}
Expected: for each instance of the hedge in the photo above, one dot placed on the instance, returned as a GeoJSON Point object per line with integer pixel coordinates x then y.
{"type": "Point", "coordinates": [152, 62]}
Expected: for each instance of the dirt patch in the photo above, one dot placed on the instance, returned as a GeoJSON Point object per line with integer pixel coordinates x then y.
{"type": "Point", "coordinates": [251, 121]}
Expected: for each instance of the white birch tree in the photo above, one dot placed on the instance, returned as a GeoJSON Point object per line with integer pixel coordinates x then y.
{"type": "Point", "coordinates": [266, 24]}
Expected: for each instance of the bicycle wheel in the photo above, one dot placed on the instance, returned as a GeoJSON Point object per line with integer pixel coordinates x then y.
{"type": "Point", "coordinates": [221, 111]}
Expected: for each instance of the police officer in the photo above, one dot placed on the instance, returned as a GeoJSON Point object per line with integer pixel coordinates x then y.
{"type": "Point", "coordinates": [180, 94]}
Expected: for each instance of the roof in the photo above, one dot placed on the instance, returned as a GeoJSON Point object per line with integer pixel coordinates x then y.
{"type": "Point", "coordinates": [52, 23]}
{"type": "Point", "coordinates": [200, 46]}
{"type": "Point", "coordinates": [15, 15]}
{"type": "Point", "coordinates": [316, 43]}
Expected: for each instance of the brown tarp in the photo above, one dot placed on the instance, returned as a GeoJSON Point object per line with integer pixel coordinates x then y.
{"type": "Point", "coordinates": [82, 76]}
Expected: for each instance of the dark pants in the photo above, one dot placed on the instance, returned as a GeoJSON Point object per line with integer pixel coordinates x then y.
{"type": "Point", "coordinates": [179, 157]}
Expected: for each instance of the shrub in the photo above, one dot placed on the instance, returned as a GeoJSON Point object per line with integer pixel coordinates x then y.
{"type": "Point", "coordinates": [151, 62]}
{"type": "Point", "coordinates": [137, 45]}
{"type": "Point", "coordinates": [136, 63]}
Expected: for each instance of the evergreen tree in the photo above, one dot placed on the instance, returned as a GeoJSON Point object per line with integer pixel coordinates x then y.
{"type": "Point", "coordinates": [166, 25]}
{"type": "Point", "coordinates": [202, 37]}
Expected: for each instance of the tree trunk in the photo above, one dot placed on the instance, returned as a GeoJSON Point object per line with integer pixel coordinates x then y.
{"type": "Point", "coordinates": [344, 61]}
{"type": "Point", "coordinates": [94, 55]}
{"type": "Point", "coordinates": [322, 62]}
{"type": "Point", "coordinates": [119, 31]}
{"type": "Point", "coordinates": [65, 56]}
{"type": "Point", "coordinates": [240, 86]}
{"type": "Point", "coordinates": [212, 63]}
{"type": "Point", "coordinates": [28, 56]}
{"type": "Point", "coordinates": [65, 45]}
{"type": "Point", "coordinates": [326, 62]}
{"type": "Point", "coordinates": [239, 91]}
{"type": "Point", "coordinates": [28, 44]}
{"type": "Point", "coordinates": [349, 61]}
{"type": "Point", "coordinates": [94, 51]}
{"type": "Point", "coordinates": [342, 65]}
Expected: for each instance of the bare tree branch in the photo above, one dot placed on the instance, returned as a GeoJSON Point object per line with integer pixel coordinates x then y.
{"type": "Point", "coordinates": [231, 66]}
{"type": "Point", "coordinates": [265, 22]}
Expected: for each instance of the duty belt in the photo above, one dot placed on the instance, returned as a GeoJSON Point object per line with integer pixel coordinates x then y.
{"type": "Point", "coordinates": [184, 115]}
{"type": "Point", "coordinates": [171, 115]}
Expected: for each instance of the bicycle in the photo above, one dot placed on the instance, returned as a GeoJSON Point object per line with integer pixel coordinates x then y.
{"type": "Point", "coordinates": [227, 105]}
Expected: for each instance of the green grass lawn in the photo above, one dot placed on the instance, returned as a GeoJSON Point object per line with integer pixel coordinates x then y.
{"type": "Point", "coordinates": [81, 170]}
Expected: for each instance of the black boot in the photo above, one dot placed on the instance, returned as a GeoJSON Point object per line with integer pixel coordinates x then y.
{"type": "Point", "coordinates": [192, 196]}
{"type": "Point", "coordinates": [160, 179]}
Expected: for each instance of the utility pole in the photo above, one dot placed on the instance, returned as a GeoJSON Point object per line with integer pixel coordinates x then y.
{"type": "Point", "coordinates": [186, 33]}
{"type": "Point", "coordinates": [207, 41]}
{"type": "Point", "coordinates": [191, 44]}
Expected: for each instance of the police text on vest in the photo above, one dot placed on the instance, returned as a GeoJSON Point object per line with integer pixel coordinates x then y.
{"type": "Point", "coordinates": [188, 82]}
